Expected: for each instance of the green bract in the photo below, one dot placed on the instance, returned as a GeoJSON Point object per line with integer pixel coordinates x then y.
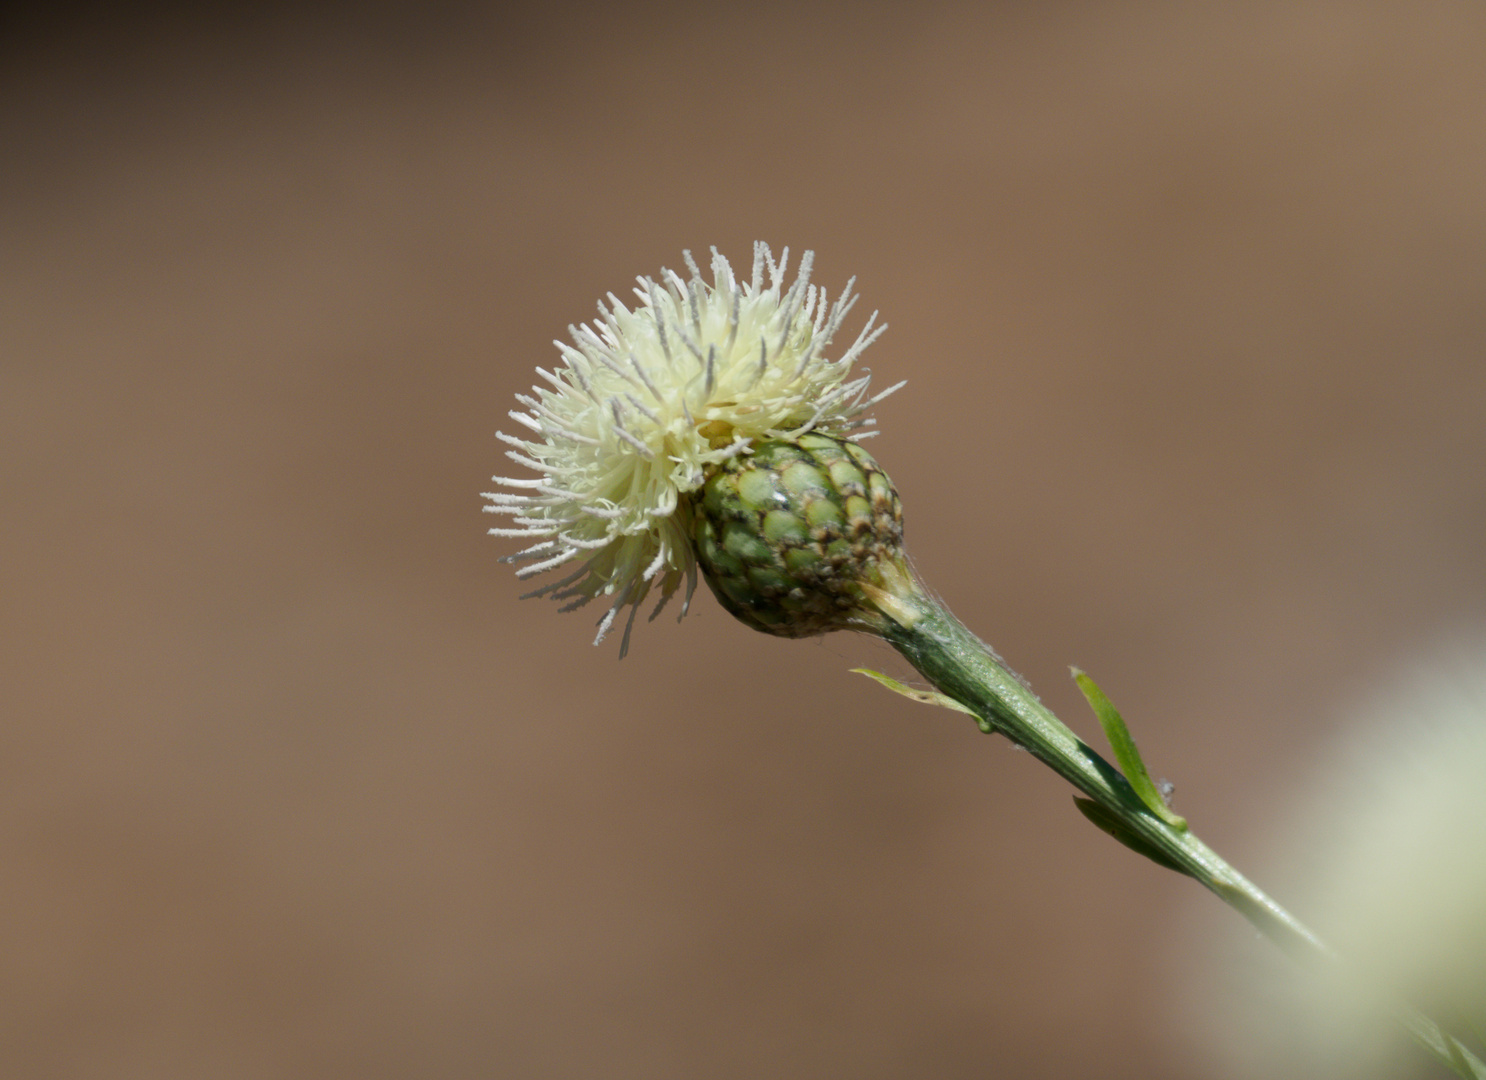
{"type": "Point", "coordinates": [787, 535]}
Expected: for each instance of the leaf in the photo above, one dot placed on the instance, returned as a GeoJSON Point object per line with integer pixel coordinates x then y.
{"type": "Point", "coordinates": [1465, 1063]}
{"type": "Point", "coordinates": [1111, 824]}
{"type": "Point", "coordinates": [923, 697]}
{"type": "Point", "coordinates": [1125, 751]}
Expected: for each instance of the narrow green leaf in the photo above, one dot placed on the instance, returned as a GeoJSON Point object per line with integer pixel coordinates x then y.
{"type": "Point", "coordinates": [1114, 827]}
{"type": "Point", "coordinates": [924, 697]}
{"type": "Point", "coordinates": [1464, 1062]}
{"type": "Point", "coordinates": [1477, 1029]}
{"type": "Point", "coordinates": [1125, 751]}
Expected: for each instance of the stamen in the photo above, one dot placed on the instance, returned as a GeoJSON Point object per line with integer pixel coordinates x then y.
{"type": "Point", "coordinates": [732, 317]}
{"type": "Point", "coordinates": [572, 605]}
{"type": "Point", "coordinates": [645, 378]}
{"type": "Point", "coordinates": [557, 560]}
{"type": "Point", "coordinates": [628, 626]}
{"type": "Point", "coordinates": [644, 410]}
{"type": "Point", "coordinates": [553, 587]}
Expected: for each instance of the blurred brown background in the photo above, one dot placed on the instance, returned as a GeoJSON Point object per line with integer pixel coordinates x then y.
{"type": "Point", "coordinates": [1190, 301]}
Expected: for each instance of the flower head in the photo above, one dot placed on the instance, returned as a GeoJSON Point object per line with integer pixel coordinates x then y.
{"type": "Point", "coordinates": [648, 401]}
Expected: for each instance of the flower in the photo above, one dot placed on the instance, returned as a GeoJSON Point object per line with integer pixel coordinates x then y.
{"type": "Point", "coordinates": [647, 401]}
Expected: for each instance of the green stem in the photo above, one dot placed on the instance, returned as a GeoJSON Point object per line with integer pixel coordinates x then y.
{"type": "Point", "coordinates": [963, 667]}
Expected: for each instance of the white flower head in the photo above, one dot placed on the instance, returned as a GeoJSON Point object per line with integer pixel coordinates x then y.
{"type": "Point", "coordinates": [647, 399]}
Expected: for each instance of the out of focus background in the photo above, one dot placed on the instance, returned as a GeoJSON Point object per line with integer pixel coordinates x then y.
{"type": "Point", "coordinates": [1190, 298]}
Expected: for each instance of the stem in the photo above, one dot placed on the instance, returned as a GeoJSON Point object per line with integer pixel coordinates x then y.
{"type": "Point", "coordinates": [963, 667]}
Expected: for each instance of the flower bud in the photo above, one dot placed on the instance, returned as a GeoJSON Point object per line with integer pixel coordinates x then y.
{"type": "Point", "coordinates": [801, 537]}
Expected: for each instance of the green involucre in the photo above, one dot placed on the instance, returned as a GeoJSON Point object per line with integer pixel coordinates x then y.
{"type": "Point", "coordinates": [787, 534]}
